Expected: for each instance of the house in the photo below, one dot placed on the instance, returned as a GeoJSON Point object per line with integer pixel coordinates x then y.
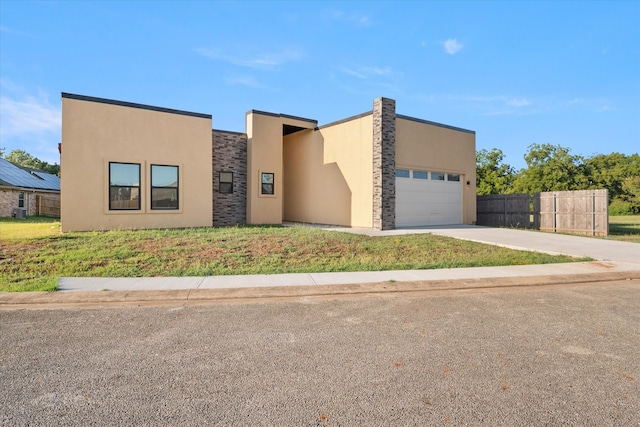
{"type": "Point", "coordinates": [129, 165]}
{"type": "Point", "coordinates": [23, 190]}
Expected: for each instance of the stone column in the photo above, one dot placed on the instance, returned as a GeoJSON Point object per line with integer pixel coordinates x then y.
{"type": "Point", "coordinates": [230, 155]}
{"type": "Point", "coordinates": [384, 164]}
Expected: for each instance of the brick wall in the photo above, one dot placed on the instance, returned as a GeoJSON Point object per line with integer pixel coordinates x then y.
{"type": "Point", "coordinates": [9, 201]}
{"type": "Point", "coordinates": [230, 155]}
{"type": "Point", "coordinates": [384, 164]}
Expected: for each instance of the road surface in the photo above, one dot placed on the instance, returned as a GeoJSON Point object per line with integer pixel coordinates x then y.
{"type": "Point", "coordinates": [561, 355]}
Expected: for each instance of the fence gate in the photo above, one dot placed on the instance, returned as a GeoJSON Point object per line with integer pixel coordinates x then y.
{"type": "Point", "coordinates": [577, 212]}
{"type": "Point", "coordinates": [47, 206]}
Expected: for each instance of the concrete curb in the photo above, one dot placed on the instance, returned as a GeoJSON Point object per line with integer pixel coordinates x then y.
{"type": "Point", "coordinates": [183, 297]}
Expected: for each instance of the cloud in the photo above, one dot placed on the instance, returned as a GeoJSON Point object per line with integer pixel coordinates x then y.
{"type": "Point", "coordinates": [598, 105]}
{"type": "Point", "coordinates": [366, 72]}
{"type": "Point", "coordinates": [262, 60]}
{"type": "Point", "coordinates": [452, 46]}
{"type": "Point", "coordinates": [245, 81]}
{"type": "Point", "coordinates": [357, 18]}
{"type": "Point", "coordinates": [514, 102]}
{"type": "Point", "coordinates": [28, 115]}
{"type": "Point", "coordinates": [368, 79]}
{"type": "Point", "coordinates": [29, 121]}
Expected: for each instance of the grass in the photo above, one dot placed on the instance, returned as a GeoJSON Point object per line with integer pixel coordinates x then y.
{"type": "Point", "coordinates": [33, 262]}
{"type": "Point", "coordinates": [32, 227]}
{"type": "Point", "coordinates": [625, 228]}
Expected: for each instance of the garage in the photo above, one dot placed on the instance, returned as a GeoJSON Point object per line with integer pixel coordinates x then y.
{"type": "Point", "coordinates": [425, 198]}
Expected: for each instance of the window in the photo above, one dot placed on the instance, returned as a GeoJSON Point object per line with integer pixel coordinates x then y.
{"type": "Point", "coordinates": [402, 173]}
{"type": "Point", "coordinates": [164, 187]}
{"type": "Point", "coordinates": [420, 175]}
{"type": "Point", "coordinates": [21, 200]}
{"type": "Point", "coordinates": [266, 180]}
{"type": "Point", "coordinates": [437, 176]}
{"type": "Point", "coordinates": [453, 177]}
{"type": "Point", "coordinates": [124, 186]}
{"type": "Point", "coordinates": [225, 184]}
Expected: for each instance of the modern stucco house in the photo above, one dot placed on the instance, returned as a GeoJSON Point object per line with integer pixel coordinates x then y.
{"type": "Point", "coordinates": [127, 165]}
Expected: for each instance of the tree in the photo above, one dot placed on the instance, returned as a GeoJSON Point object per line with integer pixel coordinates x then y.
{"type": "Point", "coordinates": [2, 152]}
{"type": "Point", "coordinates": [493, 176]}
{"type": "Point", "coordinates": [551, 168]}
{"type": "Point", "coordinates": [24, 159]}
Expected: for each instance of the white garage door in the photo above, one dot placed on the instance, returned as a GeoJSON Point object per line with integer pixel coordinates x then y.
{"type": "Point", "coordinates": [427, 198]}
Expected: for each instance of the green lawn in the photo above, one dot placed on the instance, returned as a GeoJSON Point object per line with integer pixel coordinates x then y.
{"type": "Point", "coordinates": [625, 228]}
{"type": "Point", "coordinates": [33, 253]}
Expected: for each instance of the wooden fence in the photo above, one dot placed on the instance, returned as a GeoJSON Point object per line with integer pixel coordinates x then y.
{"type": "Point", "coordinates": [47, 206]}
{"type": "Point", "coordinates": [577, 212]}
{"type": "Point", "coordinates": [504, 210]}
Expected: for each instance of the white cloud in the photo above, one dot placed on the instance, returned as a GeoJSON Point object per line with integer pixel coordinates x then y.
{"type": "Point", "coordinates": [357, 18]}
{"type": "Point", "coordinates": [245, 81]}
{"type": "Point", "coordinates": [366, 72]}
{"type": "Point", "coordinates": [452, 46]}
{"type": "Point", "coordinates": [28, 115]}
{"type": "Point", "coordinates": [514, 102]}
{"type": "Point", "coordinates": [262, 60]}
{"type": "Point", "coordinates": [29, 122]}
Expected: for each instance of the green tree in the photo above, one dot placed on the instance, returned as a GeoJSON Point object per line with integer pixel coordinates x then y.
{"type": "Point", "coordinates": [493, 176]}
{"type": "Point", "coordinates": [551, 168]}
{"type": "Point", "coordinates": [22, 158]}
{"type": "Point", "coordinates": [631, 189]}
{"type": "Point", "coordinates": [2, 152]}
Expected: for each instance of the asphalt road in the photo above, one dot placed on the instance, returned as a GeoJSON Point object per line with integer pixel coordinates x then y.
{"type": "Point", "coordinates": [567, 355]}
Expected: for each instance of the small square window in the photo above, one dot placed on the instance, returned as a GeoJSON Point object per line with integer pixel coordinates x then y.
{"type": "Point", "coordinates": [437, 176]}
{"type": "Point", "coordinates": [453, 177]}
{"type": "Point", "coordinates": [267, 181]}
{"type": "Point", "coordinates": [225, 184]}
{"type": "Point", "coordinates": [402, 173]}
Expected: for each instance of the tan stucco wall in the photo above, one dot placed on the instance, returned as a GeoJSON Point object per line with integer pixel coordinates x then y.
{"type": "Point", "coordinates": [265, 154]}
{"type": "Point", "coordinates": [94, 133]}
{"type": "Point", "coordinates": [435, 148]}
{"type": "Point", "coordinates": [329, 174]}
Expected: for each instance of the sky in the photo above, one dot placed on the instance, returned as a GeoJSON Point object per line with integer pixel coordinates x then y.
{"type": "Point", "coordinates": [516, 72]}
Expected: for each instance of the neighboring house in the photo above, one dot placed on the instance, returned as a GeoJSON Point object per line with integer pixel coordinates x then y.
{"type": "Point", "coordinates": [137, 166]}
{"type": "Point", "coordinates": [22, 188]}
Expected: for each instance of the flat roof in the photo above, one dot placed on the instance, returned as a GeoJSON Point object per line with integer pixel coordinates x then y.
{"type": "Point", "coordinates": [284, 116]}
{"type": "Point", "coordinates": [427, 122]}
{"type": "Point", "coordinates": [134, 105]}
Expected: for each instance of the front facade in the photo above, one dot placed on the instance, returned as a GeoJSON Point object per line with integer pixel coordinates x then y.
{"type": "Point", "coordinates": [135, 166]}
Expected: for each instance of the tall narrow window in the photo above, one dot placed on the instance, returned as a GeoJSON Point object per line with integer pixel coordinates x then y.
{"type": "Point", "coordinates": [124, 186]}
{"type": "Point", "coordinates": [21, 200]}
{"type": "Point", "coordinates": [266, 180]}
{"type": "Point", "coordinates": [164, 187]}
{"type": "Point", "coordinates": [225, 184]}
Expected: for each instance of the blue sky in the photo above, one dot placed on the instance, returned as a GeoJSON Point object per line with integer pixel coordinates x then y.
{"type": "Point", "coordinates": [516, 72]}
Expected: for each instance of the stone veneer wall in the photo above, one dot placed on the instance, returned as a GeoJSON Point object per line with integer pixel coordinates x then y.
{"type": "Point", "coordinates": [230, 155]}
{"type": "Point", "coordinates": [384, 164]}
